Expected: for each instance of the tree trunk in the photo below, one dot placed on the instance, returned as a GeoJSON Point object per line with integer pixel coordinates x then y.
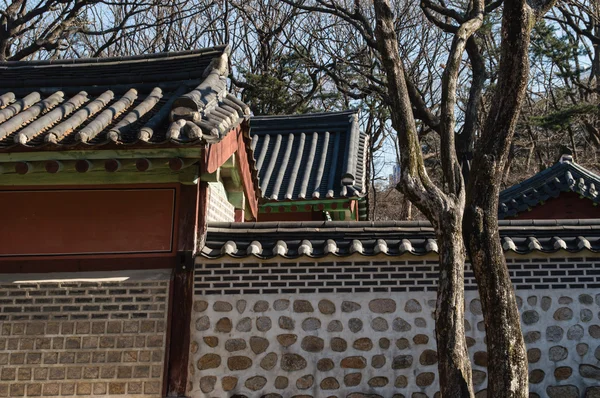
{"type": "Point", "coordinates": [507, 358]}
{"type": "Point", "coordinates": [453, 363]}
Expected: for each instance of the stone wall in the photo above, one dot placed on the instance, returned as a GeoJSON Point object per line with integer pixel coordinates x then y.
{"type": "Point", "coordinates": [376, 345]}
{"type": "Point", "coordinates": [94, 337]}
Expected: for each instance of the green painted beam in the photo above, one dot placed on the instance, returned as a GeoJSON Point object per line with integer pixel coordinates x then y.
{"type": "Point", "coordinates": [186, 153]}
{"type": "Point", "coordinates": [99, 176]}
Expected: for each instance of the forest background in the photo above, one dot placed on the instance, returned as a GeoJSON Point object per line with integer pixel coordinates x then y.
{"type": "Point", "coordinates": [285, 59]}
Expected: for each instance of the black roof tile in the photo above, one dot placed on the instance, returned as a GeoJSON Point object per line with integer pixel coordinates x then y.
{"type": "Point", "coordinates": [310, 156]}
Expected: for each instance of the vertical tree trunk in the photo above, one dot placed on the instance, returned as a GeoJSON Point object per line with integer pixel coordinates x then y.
{"type": "Point", "coordinates": [454, 364]}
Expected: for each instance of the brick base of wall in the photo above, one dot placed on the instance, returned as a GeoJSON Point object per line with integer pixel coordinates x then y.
{"type": "Point", "coordinates": [98, 337]}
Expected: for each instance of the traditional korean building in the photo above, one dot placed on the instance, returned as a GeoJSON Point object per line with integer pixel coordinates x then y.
{"type": "Point", "coordinates": [157, 241]}
{"type": "Point", "coordinates": [564, 190]}
{"type": "Point", "coordinates": [311, 167]}
{"type": "Point", "coordinates": [108, 166]}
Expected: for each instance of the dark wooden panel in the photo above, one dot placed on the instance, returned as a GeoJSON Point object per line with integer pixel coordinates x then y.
{"type": "Point", "coordinates": [87, 221]}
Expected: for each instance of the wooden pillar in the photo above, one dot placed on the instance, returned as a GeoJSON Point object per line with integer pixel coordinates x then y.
{"type": "Point", "coordinates": [182, 287]}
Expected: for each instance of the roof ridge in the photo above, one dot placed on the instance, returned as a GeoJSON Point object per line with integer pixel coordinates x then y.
{"type": "Point", "coordinates": [302, 115]}
{"type": "Point", "coordinates": [120, 59]}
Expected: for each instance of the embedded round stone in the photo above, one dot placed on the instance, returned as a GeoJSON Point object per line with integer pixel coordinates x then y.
{"type": "Point", "coordinates": [303, 306]}
{"type": "Point", "coordinates": [325, 365]}
{"type": "Point", "coordinates": [211, 341]}
{"type": "Point", "coordinates": [258, 345]}
{"type": "Point", "coordinates": [338, 344]}
{"type": "Point", "coordinates": [335, 326]}
{"type": "Point", "coordinates": [263, 323]}
{"type": "Point", "coordinates": [569, 391]}
{"type": "Point", "coordinates": [519, 301]}
{"type": "Point", "coordinates": [562, 373]}
{"type": "Point", "coordinates": [563, 314]}
{"type": "Point", "coordinates": [530, 317]}
{"type": "Point", "coordinates": [222, 306]}
{"type": "Point", "coordinates": [355, 362]}
{"type": "Point", "coordinates": [479, 377]}
{"type": "Point", "coordinates": [310, 324]}
{"type": "Point", "coordinates": [269, 361]}
{"type": "Point", "coordinates": [402, 362]}
{"type": "Point", "coordinates": [400, 325]}
{"type": "Point", "coordinates": [402, 344]}
{"type": "Point", "coordinates": [422, 323]}
{"type": "Point", "coordinates": [481, 326]}
{"type": "Point", "coordinates": [379, 324]}
{"type": "Point", "coordinates": [546, 303]}
{"type": "Point", "coordinates": [589, 371]}
{"type": "Point", "coordinates": [594, 331]}
{"type": "Point", "coordinates": [378, 361]}
{"type": "Point", "coordinates": [305, 382]}
{"type": "Point", "coordinates": [425, 379]}
{"type": "Point", "coordinates": [286, 323]}
{"type": "Point", "coordinates": [281, 382]}
{"type": "Point", "coordinates": [470, 341]}
{"type": "Point", "coordinates": [475, 307]}
{"type": "Point", "coordinates": [481, 358]}
{"type": "Point", "coordinates": [536, 376]}
{"type": "Point", "coordinates": [241, 306]}
{"type": "Point", "coordinates": [261, 306]}
{"type": "Point", "coordinates": [557, 353]}
{"type": "Point", "coordinates": [586, 315]}
{"type": "Point", "coordinates": [428, 357]}
{"type": "Point", "coordinates": [586, 299]}
{"type": "Point", "coordinates": [244, 325]}
{"type": "Point", "coordinates": [467, 326]}
{"type": "Point", "coordinates": [229, 383]}
{"type": "Point", "coordinates": [382, 306]}
{"type": "Point", "coordinates": [401, 382]}
{"type": "Point", "coordinates": [565, 300]}
{"type": "Point", "coordinates": [421, 339]}
{"type": "Point", "coordinates": [532, 337]}
{"type": "Point", "coordinates": [202, 323]}
{"type": "Point", "coordinates": [534, 355]}
{"type": "Point", "coordinates": [329, 383]}
{"type": "Point", "coordinates": [554, 333]}
{"type": "Point", "coordinates": [292, 362]}
{"type": "Point", "coordinates": [224, 325]}
{"type": "Point", "coordinates": [582, 349]}
{"type": "Point", "coordinates": [326, 307]}
{"type": "Point", "coordinates": [592, 392]}
{"type": "Point", "coordinates": [194, 347]}
{"type": "Point", "coordinates": [352, 379]}
{"type": "Point", "coordinates": [239, 363]}
{"type": "Point", "coordinates": [377, 382]}
{"type": "Point", "coordinates": [235, 345]}
{"type": "Point", "coordinates": [255, 383]}
{"type": "Point", "coordinates": [355, 325]}
{"type": "Point", "coordinates": [412, 306]}
{"type": "Point", "coordinates": [287, 340]}
{"type": "Point", "coordinates": [350, 306]}
{"type": "Point", "coordinates": [209, 361]}
{"type": "Point", "coordinates": [575, 332]}
{"type": "Point", "coordinates": [207, 383]}
{"type": "Point", "coordinates": [532, 300]}
{"type": "Point", "coordinates": [200, 306]}
{"type": "Point", "coordinates": [384, 343]}
{"type": "Point", "coordinates": [312, 344]}
{"type": "Point", "coordinates": [363, 344]}
{"type": "Point", "coordinates": [281, 304]}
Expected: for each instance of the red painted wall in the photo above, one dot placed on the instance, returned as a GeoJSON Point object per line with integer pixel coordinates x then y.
{"type": "Point", "coordinates": [87, 221]}
{"type": "Point", "coordinates": [568, 205]}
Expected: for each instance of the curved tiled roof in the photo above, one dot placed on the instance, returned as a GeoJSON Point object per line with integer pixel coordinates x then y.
{"type": "Point", "coordinates": [310, 156]}
{"type": "Point", "coordinates": [166, 98]}
{"type": "Point", "coordinates": [319, 239]}
{"type": "Point", "coordinates": [564, 176]}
